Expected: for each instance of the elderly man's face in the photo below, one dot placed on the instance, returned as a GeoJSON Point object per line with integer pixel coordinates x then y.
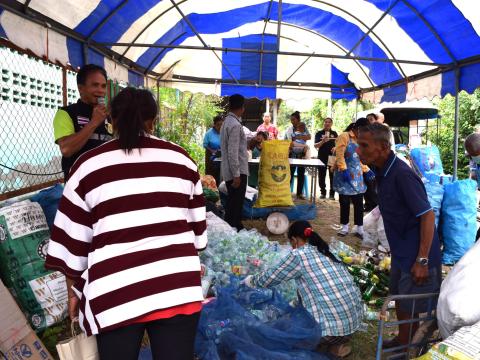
{"type": "Point", "coordinates": [369, 150]}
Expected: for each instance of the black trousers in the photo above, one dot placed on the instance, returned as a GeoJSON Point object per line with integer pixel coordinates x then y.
{"type": "Point", "coordinates": [371, 198]}
{"type": "Point", "coordinates": [235, 198]}
{"type": "Point", "coordinates": [300, 177]}
{"type": "Point", "coordinates": [171, 338]}
{"type": "Point", "coordinates": [357, 201]}
{"type": "Point", "coordinates": [322, 175]}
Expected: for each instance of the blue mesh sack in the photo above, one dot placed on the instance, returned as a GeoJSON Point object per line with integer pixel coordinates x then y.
{"type": "Point", "coordinates": [459, 219]}
{"type": "Point", "coordinates": [427, 160]}
{"type": "Point", "coordinates": [248, 324]}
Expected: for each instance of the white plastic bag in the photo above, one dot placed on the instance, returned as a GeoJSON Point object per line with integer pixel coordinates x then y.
{"type": "Point", "coordinates": [458, 303]}
{"type": "Point", "coordinates": [374, 230]}
{"type": "Point", "coordinates": [370, 233]}
{"type": "Point", "coordinates": [78, 347]}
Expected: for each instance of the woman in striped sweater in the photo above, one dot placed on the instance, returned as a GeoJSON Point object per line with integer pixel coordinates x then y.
{"type": "Point", "coordinates": [126, 236]}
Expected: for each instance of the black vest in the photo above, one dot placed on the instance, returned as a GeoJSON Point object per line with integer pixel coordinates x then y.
{"type": "Point", "coordinates": [81, 113]}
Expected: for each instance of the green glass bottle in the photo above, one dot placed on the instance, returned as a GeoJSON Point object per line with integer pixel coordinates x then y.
{"type": "Point", "coordinates": [367, 295]}
{"type": "Point", "coordinates": [377, 302]}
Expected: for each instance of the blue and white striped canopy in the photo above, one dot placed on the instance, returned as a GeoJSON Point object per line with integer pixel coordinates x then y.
{"type": "Point", "coordinates": [382, 50]}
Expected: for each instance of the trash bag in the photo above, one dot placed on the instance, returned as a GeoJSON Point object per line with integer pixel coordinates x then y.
{"type": "Point", "coordinates": [374, 230]}
{"type": "Point", "coordinates": [435, 196]}
{"type": "Point", "coordinates": [274, 176]}
{"type": "Point", "coordinates": [426, 159]}
{"type": "Point", "coordinates": [458, 300]}
{"type": "Point", "coordinates": [458, 219]}
{"type": "Point", "coordinates": [228, 328]}
{"type": "Point", "coordinates": [49, 200]}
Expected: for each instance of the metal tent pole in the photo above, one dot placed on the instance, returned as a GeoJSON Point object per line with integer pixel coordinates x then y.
{"type": "Point", "coordinates": [456, 126]}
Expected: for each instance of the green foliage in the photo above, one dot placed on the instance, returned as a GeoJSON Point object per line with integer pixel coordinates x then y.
{"type": "Point", "coordinates": [184, 119]}
{"type": "Point", "coordinates": [343, 112]}
{"type": "Point", "coordinates": [469, 118]}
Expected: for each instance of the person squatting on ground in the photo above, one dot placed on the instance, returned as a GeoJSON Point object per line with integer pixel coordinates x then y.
{"type": "Point", "coordinates": [349, 178]}
{"type": "Point", "coordinates": [409, 225]}
{"type": "Point", "coordinates": [234, 167]}
{"type": "Point", "coordinates": [126, 235]}
{"type": "Point", "coordinates": [325, 287]}
{"type": "Point", "coordinates": [83, 126]}
{"type": "Point", "coordinates": [325, 143]}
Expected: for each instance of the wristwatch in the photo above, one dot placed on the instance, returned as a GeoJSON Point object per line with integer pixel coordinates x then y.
{"type": "Point", "coordinates": [422, 261]}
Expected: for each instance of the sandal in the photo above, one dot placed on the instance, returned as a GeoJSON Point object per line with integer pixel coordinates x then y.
{"type": "Point", "coordinates": [340, 350]}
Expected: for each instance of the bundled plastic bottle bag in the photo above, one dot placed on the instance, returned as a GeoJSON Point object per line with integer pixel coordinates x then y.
{"type": "Point", "coordinates": [427, 159]}
{"type": "Point", "coordinates": [458, 304]}
{"type": "Point", "coordinates": [459, 219]}
{"type": "Point", "coordinates": [274, 176]}
{"type": "Point", "coordinates": [24, 236]}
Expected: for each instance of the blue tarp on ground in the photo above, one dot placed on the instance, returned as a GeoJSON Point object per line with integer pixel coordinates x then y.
{"type": "Point", "coordinates": [297, 212]}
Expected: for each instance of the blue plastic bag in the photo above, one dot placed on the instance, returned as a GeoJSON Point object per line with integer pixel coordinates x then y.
{"type": "Point", "coordinates": [435, 197]}
{"type": "Point", "coordinates": [459, 219]}
{"type": "Point", "coordinates": [427, 160]}
{"type": "Point", "coordinates": [297, 212]}
{"type": "Point", "coordinates": [228, 328]}
{"type": "Point", "coordinates": [49, 200]}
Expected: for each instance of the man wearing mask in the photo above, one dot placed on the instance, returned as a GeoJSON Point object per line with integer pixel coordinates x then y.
{"type": "Point", "coordinates": [472, 146]}
{"type": "Point", "coordinates": [234, 167]}
{"type": "Point", "coordinates": [83, 126]}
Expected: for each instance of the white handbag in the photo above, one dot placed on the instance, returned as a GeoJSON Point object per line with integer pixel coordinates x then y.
{"type": "Point", "coordinates": [78, 347]}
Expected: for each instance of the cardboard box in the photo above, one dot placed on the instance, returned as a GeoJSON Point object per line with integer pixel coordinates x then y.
{"type": "Point", "coordinates": [17, 339]}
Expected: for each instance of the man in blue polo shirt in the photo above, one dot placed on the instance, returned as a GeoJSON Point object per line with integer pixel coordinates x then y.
{"type": "Point", "coordinates": [409, 225]}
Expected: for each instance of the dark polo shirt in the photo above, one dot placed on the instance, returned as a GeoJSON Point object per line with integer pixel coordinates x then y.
{"type": "Point", "coordinates": [402, 200]}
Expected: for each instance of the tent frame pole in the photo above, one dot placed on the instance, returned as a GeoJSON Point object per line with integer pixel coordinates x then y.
{"type": "Point", "coordinates": [185, 18]}
{"type": "Point", "coordinates": [275, 52]}
{"type": "Point", "coordinates": [456, 124]}
{"type": "Point", "coordinates": [263, 42]}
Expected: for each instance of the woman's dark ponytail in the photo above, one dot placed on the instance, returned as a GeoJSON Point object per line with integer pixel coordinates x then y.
{"type": "Point", "coordinates": [130, 110]}
{"type": "Point", "coordinates": [302, 229]}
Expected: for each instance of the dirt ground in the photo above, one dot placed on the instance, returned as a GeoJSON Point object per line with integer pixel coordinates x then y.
{"type": "Point", "coordinates": [328, 213]}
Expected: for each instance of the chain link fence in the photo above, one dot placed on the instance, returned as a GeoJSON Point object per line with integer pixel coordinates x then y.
{"type": "Point", "coordinates": [31, 92]}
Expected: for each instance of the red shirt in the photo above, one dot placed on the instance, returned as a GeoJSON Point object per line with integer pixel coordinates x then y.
{"type": "Point", "coordinates": [185, 309]}
{"type": "Point", "coordinates": [271, 129]}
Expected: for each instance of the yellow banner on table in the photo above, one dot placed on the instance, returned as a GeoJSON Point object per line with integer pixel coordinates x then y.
{"type": "Point", "coordinates": [274, 178]}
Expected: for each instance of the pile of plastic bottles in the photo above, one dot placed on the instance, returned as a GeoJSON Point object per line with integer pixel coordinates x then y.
{"type": "Point", "coordinates": [244, 253]}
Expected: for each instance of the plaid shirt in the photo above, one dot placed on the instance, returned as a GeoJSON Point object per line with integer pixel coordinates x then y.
{"type": "Point", "coordinates": [326, 289]}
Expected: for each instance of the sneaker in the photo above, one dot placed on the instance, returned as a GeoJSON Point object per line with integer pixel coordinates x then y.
{"type": "Point", "coordinates": [323, 196]}
{"type": "Point", "coordinates": [341, 350]}
{"type": "Point", "coordinates": [342, 233]}
{"type": "Point", "coordinates": [301, 197]}
{"type": "Point", "coordinates": [357, 231]}
{"type": "Point", "coordinates": [332, 196]}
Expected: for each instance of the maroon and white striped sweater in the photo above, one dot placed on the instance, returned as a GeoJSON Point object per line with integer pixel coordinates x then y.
{"type": "Point", "coordinates": [128, 229]}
